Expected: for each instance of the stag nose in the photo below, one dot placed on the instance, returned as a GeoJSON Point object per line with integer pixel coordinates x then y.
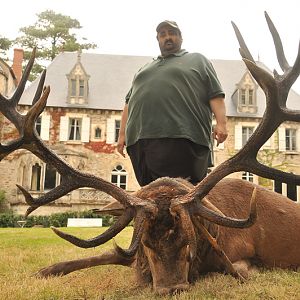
{"type": "Point", "coordinates": [163, 291]}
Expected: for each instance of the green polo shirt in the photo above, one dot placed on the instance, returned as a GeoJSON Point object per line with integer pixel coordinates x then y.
{"type": "Point", "coordinates": [169, 98]}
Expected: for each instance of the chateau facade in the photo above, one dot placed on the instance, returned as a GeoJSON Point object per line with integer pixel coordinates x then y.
{"type": "Point", "coordinates": [82, 118]}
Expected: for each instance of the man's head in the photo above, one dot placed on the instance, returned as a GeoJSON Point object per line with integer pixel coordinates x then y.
{"type": "Point", "coordinates": [169, 37]}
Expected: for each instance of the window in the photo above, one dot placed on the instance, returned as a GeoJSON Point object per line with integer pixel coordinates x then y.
{"type": "Point", "coordinates": [246, 133]}
{"type": "Point", "coordinates": [247, 176]}
{"type": "Point", "coordinates": [117, 129]}
{"type": "Point", "coordinates": [78, 87]}
{"type": "Point", "coordinates": [243, 97]}
{"type": "Point", "coordinates": [42, 126]}
{"type": "Point", "coordinates": [290, 139]}
{"type": "Point", "coordinates": [81, 88]}
{"type": "Point", "coordinates": [250, 97]}
{"type": "Point", "coordinates": [44, 177]}
{"type": "Point", "coordinates": [74, 129]}
{"type": "Point", "coordinates": [73, 87]}
{"type": "Point", "coordinates": [36, 177]}
{"type": "Point", "coordinates": [50, 177]}
{"type": "Point", "coordinates": [113, 125]}
{"type": "Point", "coordinates": [38, 125]}
{"type": "Point", "coordinates": [119, 177]}
{"type": "Point", "coordinates": [247, 97]}
{"type": "Point", "coordinates": [97, 133]}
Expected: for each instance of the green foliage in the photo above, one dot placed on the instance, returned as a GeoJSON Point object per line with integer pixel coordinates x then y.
{"type": "Point", "coordinates": [5, 44]}
{"type": "Point", "coordinates": [51, 34]}
{"type": "Point", "coordinates": [58, 220]}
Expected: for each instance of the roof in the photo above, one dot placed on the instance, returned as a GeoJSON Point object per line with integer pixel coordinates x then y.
{"type": "Point", "coordinates": [111, 77]}
{"type": "Point", "coordinates": [230, 73]}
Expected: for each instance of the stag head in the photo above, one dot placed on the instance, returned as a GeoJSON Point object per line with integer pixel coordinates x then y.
{"type": "Point", "coordinates": [173, 221]}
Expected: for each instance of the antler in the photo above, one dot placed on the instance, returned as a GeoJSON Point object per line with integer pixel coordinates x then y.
{"type": "Point", "coordinates": [276, 89]}
{"type": "Point", "coordinates": [71, 179]}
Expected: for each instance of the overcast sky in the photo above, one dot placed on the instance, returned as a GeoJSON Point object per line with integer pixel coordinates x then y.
{"type": "Point", "coordinates": [128, 26]}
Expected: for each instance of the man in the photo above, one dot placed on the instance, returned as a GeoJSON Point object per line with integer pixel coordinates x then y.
{"type": "Point", "coordinates": [167, 119]}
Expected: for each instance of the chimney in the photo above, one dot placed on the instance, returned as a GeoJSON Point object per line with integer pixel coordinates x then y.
{"type": "Point", "coordinates": [17, 63]}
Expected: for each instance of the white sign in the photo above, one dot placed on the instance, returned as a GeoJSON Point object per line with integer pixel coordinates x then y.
{"type": "Point", "coordinates": [84, 222]}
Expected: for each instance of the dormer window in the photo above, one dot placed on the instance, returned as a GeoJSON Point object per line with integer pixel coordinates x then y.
{"type": "Point", "coordinates": [245, 95]}
{"type": "Point", "coordinates": [78, 84]}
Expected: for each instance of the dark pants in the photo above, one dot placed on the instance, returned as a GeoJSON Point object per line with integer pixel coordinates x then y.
{"type": "Point", "coordinates": [154, 158]}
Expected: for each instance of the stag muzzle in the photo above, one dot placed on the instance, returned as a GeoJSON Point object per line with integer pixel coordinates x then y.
{"type": "Point", "coordinates": [163, 291]}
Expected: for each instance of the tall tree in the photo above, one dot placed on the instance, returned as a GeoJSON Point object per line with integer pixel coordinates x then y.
{"type": "Point", "coordinates": [51, 34]}
{"type": "Point", "coordinates": [5, 44]}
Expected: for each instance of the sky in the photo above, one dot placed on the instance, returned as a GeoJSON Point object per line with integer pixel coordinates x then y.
{"type": "Point", "coordinates": [128, 26]}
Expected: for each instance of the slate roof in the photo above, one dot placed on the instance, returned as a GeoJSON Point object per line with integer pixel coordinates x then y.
{"type": "Point", "coordinates": [111, 77]}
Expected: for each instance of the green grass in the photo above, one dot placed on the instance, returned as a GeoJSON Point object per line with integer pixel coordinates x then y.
{"type": "Point", "coordinates": [23, 251]}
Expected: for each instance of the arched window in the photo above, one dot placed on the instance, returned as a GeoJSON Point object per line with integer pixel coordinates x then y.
{"type": "Point", "coordinates": [38, 125]}
{"type": "Point", "coordinates": [36, 177]}
{"type": "Point", "coordinates": [97, 133]}
{"type": "Point", "coordinates": [119, 177]}
{"type": "Point", "coordinates": [248, 176]}
{"type": "Point", "coordinates": [50, 177]}
{"type": "Point", "coordinates": [23, 176]}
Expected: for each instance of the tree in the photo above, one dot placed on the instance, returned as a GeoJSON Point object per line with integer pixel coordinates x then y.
{"type": "Point", "coordinates": [51, 34]}
{"type": "Point", "coordinates": [5, 44]}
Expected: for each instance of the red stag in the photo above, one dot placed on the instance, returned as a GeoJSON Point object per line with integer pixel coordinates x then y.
{"type": "Point", "coordinates": [182, 231]}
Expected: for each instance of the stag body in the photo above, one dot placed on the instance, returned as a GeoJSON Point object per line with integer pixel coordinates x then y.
{"type": "Point", "coordinates": [164, 258]}
{"type": "Point", "coordinates": [273, 241]}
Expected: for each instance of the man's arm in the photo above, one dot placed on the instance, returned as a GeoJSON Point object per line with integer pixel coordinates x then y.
{"type": "Point", "coordinates": [217, 106]}
{"type": "Point", "coordinates": [121, 139]}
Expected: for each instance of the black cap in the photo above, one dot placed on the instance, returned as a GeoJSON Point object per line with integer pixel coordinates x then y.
{"type": "Point", "coordinates": [166, 22]}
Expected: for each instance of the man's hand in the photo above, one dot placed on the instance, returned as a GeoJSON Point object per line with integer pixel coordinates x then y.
{"type": "Point", "coordinates": [220, 133]}
{"type": "Point", "coordinates": [121, 138]}
{"type": "Point", "coordinates": [121, 145]}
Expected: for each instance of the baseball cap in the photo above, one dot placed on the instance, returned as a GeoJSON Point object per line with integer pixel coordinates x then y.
{"type": "Point", "coordinates": [167, 22]}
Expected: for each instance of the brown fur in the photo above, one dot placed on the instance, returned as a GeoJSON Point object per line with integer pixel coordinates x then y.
{"type": "Point", "coordinates": [163, 256]}
{"type": "Point", "coordinates": [273, 241]}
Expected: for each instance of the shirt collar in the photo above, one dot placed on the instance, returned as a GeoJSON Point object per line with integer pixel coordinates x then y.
{"type": "Point", "coordinates": [179, 53]}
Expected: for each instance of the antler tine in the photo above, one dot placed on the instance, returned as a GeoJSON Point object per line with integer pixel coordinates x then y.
{"type": "Point", "coordinates": [39, 88]}
{"type": "Point", "coordinates": [278, 45]}
{"type": "Point", "coordinates": [276, 91]}
{"type": "Point", "coordinates": [10, 147]}
{"type": "Point", "coordinates": [140, 222]}
{"type": "Point", "coordinates": [120, 224]}
{"type": "Point", "coordinates": [32, 115]}
{"type": "Point", "coordinates": [294, 72]}
{"type": "Point", "coordinates": [24, 124]}
{"type": "Point", "coordinates": [244, 51]}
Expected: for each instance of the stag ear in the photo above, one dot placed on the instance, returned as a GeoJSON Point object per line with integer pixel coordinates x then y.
{"type": "Point", "coordinates": [114, 208]}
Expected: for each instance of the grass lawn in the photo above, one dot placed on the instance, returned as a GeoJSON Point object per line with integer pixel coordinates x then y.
{"type": "Point", "coordinates": [23, 251]}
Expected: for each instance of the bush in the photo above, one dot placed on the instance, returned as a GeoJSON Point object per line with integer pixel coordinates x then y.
{"type": "Point", "coordinates": [58, 220]}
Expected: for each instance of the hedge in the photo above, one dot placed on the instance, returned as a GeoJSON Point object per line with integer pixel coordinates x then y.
{"type": "Point", "coordinates": [58, 220]}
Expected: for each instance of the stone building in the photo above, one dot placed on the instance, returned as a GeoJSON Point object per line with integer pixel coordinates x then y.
{"type": "Point", "coordinates": [82, 119]}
